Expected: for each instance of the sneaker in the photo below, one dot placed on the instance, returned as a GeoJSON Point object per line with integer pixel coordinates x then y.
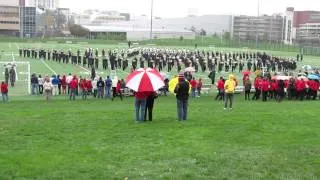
{"type": "Point", "coordinates": [225, 108]}
{"type": "Point", "coordinates": [230, 109]}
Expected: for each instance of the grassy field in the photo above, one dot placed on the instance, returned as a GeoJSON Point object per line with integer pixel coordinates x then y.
{"type": "Point", "coordinates": [98, 139]}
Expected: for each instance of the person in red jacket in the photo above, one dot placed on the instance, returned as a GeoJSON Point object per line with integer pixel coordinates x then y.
{"type": "Point", "coordinates": [220, 87]}
{"type": "Point", "coordinates": [118, 90]}
{"type": "Point", "coordinates": [73, 86]}
{"type": "Point", "coordinates": [199, 87]}
{"type": "Point", "coordinates": [193, 84]}
{"type": "Point", "coordinates": [64, 84]}
{"type": "Point", "coordinates": [4, 91]}
{"type": "Point", "coordinates": [265, 89]}
{"type": "Point", "coordinates": [313, 88]}
{"type": "Point", "coordinates": [274, 89]}
{"type": "Point", "coordinates": [258, 87]}
{"type": "Point", "coordinates": [89, 86]}
{"type": "Point", "coordinates": [84, 88]}
{"type": "Point", "coordinates": [300, 87]}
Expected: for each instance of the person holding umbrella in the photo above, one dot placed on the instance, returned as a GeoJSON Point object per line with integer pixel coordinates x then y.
{"type": "Point", "coordinates": [143, 82]}
{"type": "Point", "coordinates": [182, 96]}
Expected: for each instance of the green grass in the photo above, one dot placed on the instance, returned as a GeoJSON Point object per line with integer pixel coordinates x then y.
{"type": "Point", "coordinates": [98, 139]}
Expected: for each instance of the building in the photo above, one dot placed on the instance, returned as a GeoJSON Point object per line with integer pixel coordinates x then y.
{"type": "Point", "coordinates": [9, 20]}
{"type": "Point", "coordinates": [43, 4]}
{"type": "Point", "coordinates": [64, 13]}
{"type": "Point", "coordinates": [96, 17]}
{"type": "Point", "coordinates": [262, 28]}
{"type": "Point", "coordinates": [27, 21]}
{"type": "Point", "coordinates": [136, 34]}
{"type": "Point", "coordinates": [9, 2]}
{"type": "Point", "coordinates": [301, 25]}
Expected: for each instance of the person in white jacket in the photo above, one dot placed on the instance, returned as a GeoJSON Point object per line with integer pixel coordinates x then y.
{"type": "Point", "coordinates": [47, 86]}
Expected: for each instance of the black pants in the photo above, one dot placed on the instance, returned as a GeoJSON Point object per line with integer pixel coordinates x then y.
{"type": "Point", "coordinates": [220, 95]}
{"type": "Point", "coordinates": [291, 93]}
{"type": "Point", "coordinates": [149, 111]}
{"type": "Point", "coordinates": [247, 95]}
{"type": "Point", "coordinates": [264, 95]}
{"type": "Point", "coordinates": [115, 94]}
{"type": "Point", "coordinates": [256, 94]}
{"type": "Point", "coordinates": [40, 89]}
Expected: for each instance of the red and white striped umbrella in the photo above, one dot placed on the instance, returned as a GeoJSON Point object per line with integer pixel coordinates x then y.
{"type": "Point", "coordinates": [145, 80]}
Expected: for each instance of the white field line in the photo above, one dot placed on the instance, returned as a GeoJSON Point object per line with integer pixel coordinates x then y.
{"type": "Point", "coordinates": [48, 66]}
{"type": "Point", "coordinates": [84, 68]}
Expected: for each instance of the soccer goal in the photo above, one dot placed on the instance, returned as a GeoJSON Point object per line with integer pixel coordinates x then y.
{"type": "Point", "coordinates": [19, 72]}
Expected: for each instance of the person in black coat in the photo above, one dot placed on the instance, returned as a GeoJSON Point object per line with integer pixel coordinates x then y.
{"type": "Point", "coordinates": [149, 106]}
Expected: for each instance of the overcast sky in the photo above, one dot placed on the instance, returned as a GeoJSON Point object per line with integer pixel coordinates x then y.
{"type": "Point", "coordinates": [180, 8]}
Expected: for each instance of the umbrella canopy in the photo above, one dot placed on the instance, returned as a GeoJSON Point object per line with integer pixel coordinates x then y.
{"type": "Point", "coordinates": [303, 78]}
{"type": "Point", "coordinates": [281, 77]}
{"type": "Point", "coordinates": [313, 76]}
{"type": "Point", "coordinates": [246, 73]}
{"type": "Point", "coordinates": [173, 83]}
{"type": "Point", "coordinates": [145, 80]}
{"type": "Point", "coordinates": [190, 69]}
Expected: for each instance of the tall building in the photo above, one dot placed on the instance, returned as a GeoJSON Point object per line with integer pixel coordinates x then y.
{"type": "Point", "coordinates": [9, 20]}
{"type": "Point", "coordinates": [43, 4]}
{"type": "Point", "coordinates": [265, 28]}
{"type": "Point", "coordinates": [27, 21]}
{"type": "Point", "coordinates": [301, 25]}
{"type": "Point", "coordinates": [9, 2]}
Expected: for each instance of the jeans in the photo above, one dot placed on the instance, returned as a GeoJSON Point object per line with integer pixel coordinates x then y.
{"type": "Point", "coordinates": [228, 97]}
{"type": "Point", "coordinates": [140, 105]}
{"type": "Point", "coordinates": [108, 92]}
{"type": "Point", "coordinates": [5, 97]}
{"type": "Point", "coordinates": [100, 92]}
{"type": "Point", "coordinates": [73, 94]}
{"type": "Point", "coordinates": [193, 92]}
{"type": "Point", "coordinates": [84, 94]}
{"type": "Point", "coordinates": [182, 109]}
{"type": "Point", "coordinates": [34, 88]}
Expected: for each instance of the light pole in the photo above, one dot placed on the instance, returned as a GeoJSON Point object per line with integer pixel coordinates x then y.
{"type": "Point", "coordinates": [151, 21]}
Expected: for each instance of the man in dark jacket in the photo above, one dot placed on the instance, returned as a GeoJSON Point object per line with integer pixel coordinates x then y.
{"type": "Point", "coordinates": [182, 96]}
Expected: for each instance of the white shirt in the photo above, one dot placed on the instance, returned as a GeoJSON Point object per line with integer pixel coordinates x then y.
{"type": "Point", "coordinates": [69, 79]}
{"type": "Point", "coordinates": [94, 84]}
{"type": "Point", "coordinates": [40, 80]}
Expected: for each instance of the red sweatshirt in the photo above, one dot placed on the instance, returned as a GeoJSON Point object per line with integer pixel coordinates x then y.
{"type": "Point", "coordinates": [265, 85]}
{"type": "Point", "coordinates": [274, 86]}
{"type": "Point", "coordinates": [73, 84]}
{"type": "Point", "coordinates": [220, 85]}
{"type": "Point", "coordinates": [4, 88]}
{"type": "Point", "coordinates": [258, 83]}
{"type": "Point", "coordinates": [193, 84]}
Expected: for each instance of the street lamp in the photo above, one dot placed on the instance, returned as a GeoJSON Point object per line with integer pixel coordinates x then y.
{"type": "Point", "coordinates": [151, 21]}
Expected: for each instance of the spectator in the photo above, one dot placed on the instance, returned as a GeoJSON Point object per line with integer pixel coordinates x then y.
{"type": "Point", "coordinates": [94, 87]}
{"type": "Point", "coordinates": [12, 76]}
{"type": "Point", "coordinates": [118, 90]}
{"type": "Point", "coordinates": [59, 84]}
{"type": "Point", "coordinates": [40, 81]}
{"type": "Point", "coordinates": [140, 105]}
{"type": "Point", "coordinates": [55, 84]}
{"type": "Point", "coordinates": [100, 86]}
{"type": "Point", "coordinates": [84, 89]}
{"type": "Point", "coordinates": [182, 96]}
{"type": "Point", "coordinates": [149, 106]}
{"type": "Point", "coordinates": [69, 78]}
{"type": "Point", "coordinates": [4, 92]}
{"type": "Point", "coordinates": [64, 84]}
{"type": "Point", "coordinates": [108, 87]}
{"type": "Point", "coordinates": [73, 88]}
{"type": "Point", "coordinates": [199, 87]}
{"type": "Point", "coordinates": [34, 84]}
{"type": "Point", "coordinates": [193, 84]}
{"type": "Point", "coordinates": [6, 75]}
{"type": "Point", "coordinates": [229, 87]}
{"type": "Point", "coordinates": [247, 88]}
{"type": "Point", "coordinates": [47, 86]}
{"type": "Point", "coordinates": [220, 87]}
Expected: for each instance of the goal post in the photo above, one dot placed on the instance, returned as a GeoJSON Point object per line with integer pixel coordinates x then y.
{"type": "Point", "coordinates": [22, 76]}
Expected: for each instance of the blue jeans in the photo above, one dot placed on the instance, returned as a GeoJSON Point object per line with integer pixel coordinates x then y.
{"type": "Point", "coordinates": [193, 92]}
{"type": "Point", "coordinates": [73, 94]}
{"type": "Point", "coordinates": [34, 89]}
{"type": "Point", "coordinates": [182, 109]}
{"type": "Point", "coordinates": [108, 92]}
{"type": "Point", "coordinates": [228, 98]}
{"type": "Point", "coordinates": [100, 92]}
{"type": "Point", "coordinates": [140, 105]}
{"type": "Point", "coordinates": [5, 97]}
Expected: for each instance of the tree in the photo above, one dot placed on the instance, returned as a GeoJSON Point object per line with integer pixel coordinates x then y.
{"type": "Point", "coordinates": [193, 29]}
{"type": "Point", "coordinates": [203, 32]}
{"type": "Point", "coordinates": [77, 30]}
{"type": "Point", "coordinates": [227, 35]}
{"type": "Point", "coordinates": [215, 35]}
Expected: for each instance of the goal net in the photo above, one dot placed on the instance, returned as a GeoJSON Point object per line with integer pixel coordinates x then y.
{"type": "Point", "coordinates": [19, 73]}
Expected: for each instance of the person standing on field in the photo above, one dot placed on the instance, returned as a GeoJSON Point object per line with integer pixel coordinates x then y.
{"type": "Point", "coordinates": [182, 96]}
{"type": "Point", "coordinates": [73, 87]}
{"type": "Point", "coordinates": [229, 86]}
{"type": "Point", "coordinates": [47, 88]}
{"type": "Point", "coordinates": [4, 92]}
